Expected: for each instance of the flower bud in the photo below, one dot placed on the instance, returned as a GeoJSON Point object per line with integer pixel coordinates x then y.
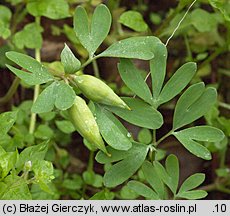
{"type": "Point", "coordinates": [85, 123]}
{"type": "Point", "coordinates": [96, 90]}
{"type": "Point", "coordinates": [27, 166]}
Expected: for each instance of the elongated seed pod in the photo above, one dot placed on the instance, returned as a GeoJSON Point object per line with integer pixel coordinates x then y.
{"type": "Point", "coordinates": [96, 90]}
{"type": "Point", "coordinates": [85, 123]}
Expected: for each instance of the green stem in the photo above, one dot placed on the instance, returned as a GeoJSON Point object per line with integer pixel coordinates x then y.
{"type": "Point", "coordinates": [96, 69]}
{"type": "Point", "coordinates": [154, 136]}
{"type": "Point", "coordinates": [18, 16]}
{"type": "Point", "coordinates": [224, 105]}
{"type": "Point", "coordinates": [189, 52]}
{"type": "Point", "coordinates": [89, 169]}
{"type": "Point", "coordinates": [119, 29]}
{"type": "Point", "coordinates": [223, 189]}
{"type": "Point", "coordinates": [34, 115]}
{"type": "Point", "coordinates": [222, 155]}
{"type": "Point", "coordinates": [11, 91]}
{"type": "Point", "coordinates": [88, 62]}
{"type": "Point", "coordinates": [208, 188]}
{"type": "Point", "coordinates": [36, 88]}
{"type": "Point", "coordinates": [91, 161]}
{"type": "Point", "coordinates": [164, 137]}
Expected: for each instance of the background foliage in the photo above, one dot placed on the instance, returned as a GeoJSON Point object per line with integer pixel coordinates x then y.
{"type": "Point", "coordinates": [46, 159]}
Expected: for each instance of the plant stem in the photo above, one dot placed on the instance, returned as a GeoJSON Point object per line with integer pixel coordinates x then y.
{"type": "Point", "coordinates": [91, 161]}
{"type": "Point", "coordinates": [89, 169]}
{"type": "Point", "coordinates": [223, 154]}
{"type": "Point", "coordinates": [164, 137]}
{"type": "Point", "coordinates": [36, 88]}
{"type": "Point", "coordinates": [189, 52]}
{"type": "Point", "coordinates": [11, 91]}
{"type": "Point", "coordinates": [88, 62]}
{"type": "Point", "coordinates": [96, 69]}
{"type": "Point", "coordinates": [224, 105]}
{"type": "Point", "coordinates": [154, 136]}
{"type": "Point", "coordinates": [210, 187]}
{"type": "Point", "coordinates": [224, 190]}
{"type": "Point", "coordinates": [34, 115]}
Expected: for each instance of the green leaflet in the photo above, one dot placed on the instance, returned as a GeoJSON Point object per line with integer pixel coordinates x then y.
{"type": "Point", "coordinates": [43, 172]}
{"type": "Point", "coordinates": [124, 169]}
{"type": "Point", "coordinates": [58, 94]}
{"type": "Point", "coordinates": [144, 136]}
{"type": "Point", "coordinates": [37, 74]}
{"type": "Point", "coordinates": [53, 9]}
{"type": "Point", "coordinates": [193, 104]}
{"type": "Point", "coordinates": [14, 188]}
{"type": "Point", "coordinates": [192, 195]}
{"type": "Point", "coordinates": [188, 138]}
{"type": "Point", "coordinates": [110, 129]}
{"type": "Point", "coordinates": [117, 155]}
{"type": "Point", "coordinates": [133, 20]}
{"type": "Point", "coordinates": [65, 126]}
{"type": "Point", "coordinates": [69, 61]}
{"type": "Point", "coordinates": [92, 35]}
{"type": "Point", "coordinates": [142, 190]}
{"type": "Point", "coordinates": [44, 132]}
{"type": "Point", "coordinates": [8, 159]}
{"type": "Point", "coordinates": [223, 6]}
{"type": "Point", "coordinates": [103, 195]}
{"type": "Point", "coordinates": [153, 179]}
{"type": "Point", "coordinates": [133, 79]}
{"type": "Point", "coordinates": [177, 82]}
{"type": "Point", "coordinates": [7, 120]}
{"type": "Point", "coordinates": [134, 47]}
{"type": "Point", "coordinates": [158, 68]}
{"type": "Point", "coordinates": [32, 154]}
{"type": "Point", "coordinates": [5, 17]}
{"type": "Point", "coordinates": [170, 174]}
{"type": "Point", "coordinates": [192, 182]}
{"type": "Point", "coordinates": [93, 179]}
{"type": "Point", "coordinates": [203, 21]}
{"type": "Point", "coordinates": [141, 114]}
{"type": "Point", "coordinates": [33, 34]}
